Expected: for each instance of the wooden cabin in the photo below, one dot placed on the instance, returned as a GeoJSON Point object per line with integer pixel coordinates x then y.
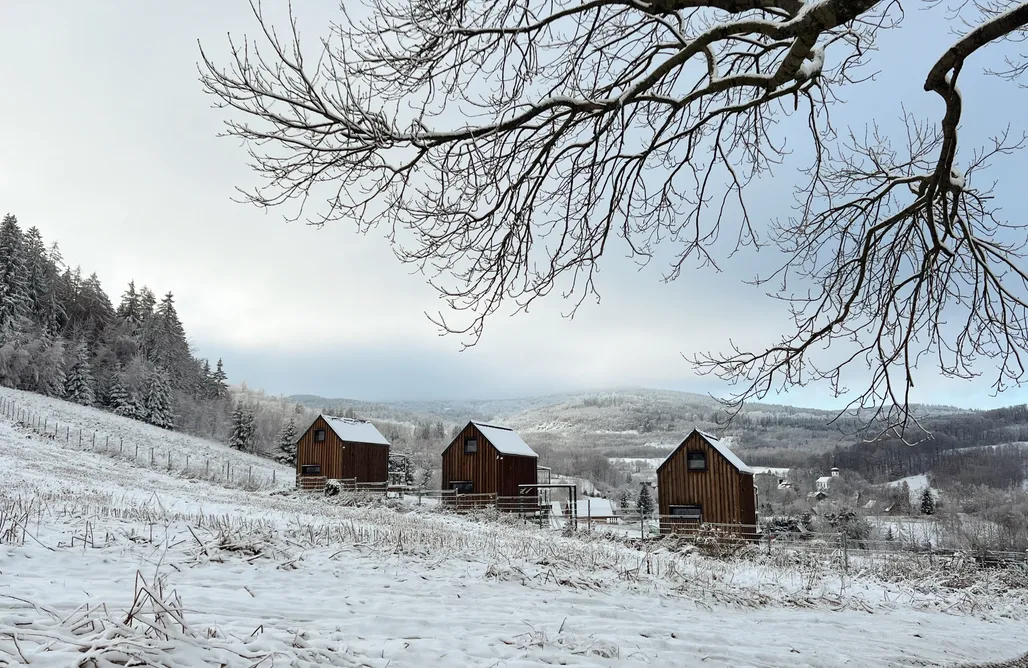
{"type": "Point", "coordinates": [336, 448]}
{"type": "Point", "coordinates": [486, 459]}
{"type": "Point", "coordinates": [703, 481]}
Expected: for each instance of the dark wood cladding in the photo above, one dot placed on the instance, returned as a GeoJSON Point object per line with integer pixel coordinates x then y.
{"type": "Point", "coordinates": [489, 471]}
{"type": "Point", "coordinates": [342, 460]}
{"type": "Point", "coordinates": [724, 494]}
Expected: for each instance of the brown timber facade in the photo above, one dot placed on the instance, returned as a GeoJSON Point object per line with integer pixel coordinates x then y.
{"type": "Point", "coordinates": [335, 459]}
{"type": "Point", "coordinates": [483, 469]}
{"type": "Point", "coordinates": [697, 483]}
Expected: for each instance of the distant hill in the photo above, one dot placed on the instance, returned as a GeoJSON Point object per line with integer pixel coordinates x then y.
{"type": "Point", "coordinates": [626, 421]}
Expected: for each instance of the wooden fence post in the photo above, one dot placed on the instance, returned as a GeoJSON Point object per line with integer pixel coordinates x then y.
{"type": "Point", "coordinates": [249, 476]}
{"type": "Point", "coordinates": [80, 437]}
{"type": "Point", "coordinates": [207, 467]}
{"type": "Point", "coordinates": [93, 444]}
{"type": "Point", "coordinates": [272, 476]}
{"type": "Point", "coordinates": [67, 434]}
{"type": "Point", "coordinates": [151, 456]}
{"type": "Point", "coordinates": [169, 460]}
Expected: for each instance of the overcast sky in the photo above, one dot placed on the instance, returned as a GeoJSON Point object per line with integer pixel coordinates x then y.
{"type": "Point", "coordinates": [109, 147]}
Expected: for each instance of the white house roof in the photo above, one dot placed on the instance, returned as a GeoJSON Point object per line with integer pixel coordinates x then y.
{"type": "Point", "coordinates": [506, 441]}
{"type": "Point", "coordinates": [824, 479]}
{"type": "Point", "coordinates": [595, 508]}
{"type": "Point", "coordinates": [350, 430]}
{"type": "Point", "coordinates": [722, 448]}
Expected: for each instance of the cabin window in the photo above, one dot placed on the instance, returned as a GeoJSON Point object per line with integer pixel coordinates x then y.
{"type": "Point", "coordinates": [470, 446]}
{"type": "Point", "coordinates": [310, 469]}
{"type": "Point", "coordinates": [696, 460]}
{"type": "Point", "coordinates": [319, 435]}
{"type": "Point", "coordinates": [693, 513]}
{"type": "Point", "coordinates": [462, 486]}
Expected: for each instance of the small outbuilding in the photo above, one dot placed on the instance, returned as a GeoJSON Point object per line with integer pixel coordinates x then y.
{"type": "Point", "coordinates": [337, 448]}
{"type": "Point", "coordinates": [703, 481]}
{"type": "Point", "coordinates": [487, 459]}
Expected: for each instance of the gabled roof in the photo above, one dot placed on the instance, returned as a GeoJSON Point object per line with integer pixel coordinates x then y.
{"type": "Point", "coordinates": [505, 440]}
{"type": "Point", "coordinates": [718, 445]}
{"type": "Point", "coordinates": [350, 430]}
{"type": "Point", "coordinates": [825, 479]}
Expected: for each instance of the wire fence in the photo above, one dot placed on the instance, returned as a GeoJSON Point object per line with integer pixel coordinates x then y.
{"type": "Point", "coordinates": [221, 470]}
{"type": "Point", "coordinates": [711, 538]}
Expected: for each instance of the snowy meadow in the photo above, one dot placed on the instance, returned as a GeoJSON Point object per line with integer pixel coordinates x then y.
{"type": "Point", "coordinates": [105, 561]}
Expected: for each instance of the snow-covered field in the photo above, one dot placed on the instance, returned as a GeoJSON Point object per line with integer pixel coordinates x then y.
{"type": "Point", "coordinates": [104, 560]}
{"type": "Point", "coordinates": [770, 470]}
{"type": "Point", "coordinates": [917, 484]}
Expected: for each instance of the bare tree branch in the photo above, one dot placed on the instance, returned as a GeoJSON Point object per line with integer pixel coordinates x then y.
{"type": "Point", "coordinates": [504, 145]}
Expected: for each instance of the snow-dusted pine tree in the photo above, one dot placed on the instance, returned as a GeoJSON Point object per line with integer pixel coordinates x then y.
{"type": "Point", "coordinates": [645, 502]}
{"type": "Point", "coordinates": [287, 442]}
{"type": "Point", "coordinates": [14, 296]}
{"type": "Point", "coordinates": [79, 385]}
{"type": "Point", "coordinates": [927, 502]}
{"type": "Point", "coordinates": [243, 428]}
{"type": "Point", "coordinates": [220, 381]}
{"type": "Point", "coordinates": [624, 500]}
{"type": "Point", "coordinates": [130, 309]}
{"type": "Point", "coordinates": [157, 400]}
{"type": "Point", "coordinates": [120, 400]}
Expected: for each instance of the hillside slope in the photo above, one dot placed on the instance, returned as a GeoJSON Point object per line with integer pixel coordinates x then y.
{"type": "Point", "coordinates": [103, 559]}
{"type": "Point", "coordinates": [128, 447]}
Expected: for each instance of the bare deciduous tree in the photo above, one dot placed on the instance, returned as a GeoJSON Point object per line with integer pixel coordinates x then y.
{"type": "Point", "coordinates": [505, 144]}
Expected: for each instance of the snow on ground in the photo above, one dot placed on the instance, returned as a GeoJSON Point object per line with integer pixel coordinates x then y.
{"type": "Point", "coordinates": [770, 470]}
{"type": "Point", "coordinates": [917, 483]}
{"type": "Point", "coordinates": [73, 427]}
{"type": "Point", "coordinates": [95, 550]}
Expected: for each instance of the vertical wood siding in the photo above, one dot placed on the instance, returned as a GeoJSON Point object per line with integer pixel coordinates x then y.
{"type": "Point", "coordinates": [490, 472]}
{"type": "Point", "coordinates": [367, 462]}
{"type": "Point", "coordinates": [724, 494]}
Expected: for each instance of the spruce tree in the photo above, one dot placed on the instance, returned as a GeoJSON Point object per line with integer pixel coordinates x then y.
{"type": "Point", "coordinates": [243, 428]}
{"type": "Point", "coordinates": [130, 309]}
{"type": "Point", "coordinates": [41, 290]}
{"type": "Point", "coordinates": [79, 386]}
{"type": "Point", "coordinates": [14, 296]}
{"type": "Point", "coordinates": [645, 502]}
{"type": "Point", "coordinates": [157, 400]}
{"type": "Point", "coordinates": [220, 381]}
{"type": "Point", "coordinates": [927, 502]}
{"type": "Point", "coordinates": [287, 442]}
{"type": "Point", "coordinates": [624, 500]}
{"type": "Point", "coordinates": [120, 401]}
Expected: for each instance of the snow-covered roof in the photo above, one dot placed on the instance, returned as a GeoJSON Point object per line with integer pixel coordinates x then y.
{"type": "Point", "coordinates": [505, 440]}
{"type": "Point", "coordinates": [824, 479]}
{"type": "Point", "coordinates": [591, 507]}
{"type": "Point", "coordinates": [718, 445]}
{"type": "Point", "coordinates": [350, 430]}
